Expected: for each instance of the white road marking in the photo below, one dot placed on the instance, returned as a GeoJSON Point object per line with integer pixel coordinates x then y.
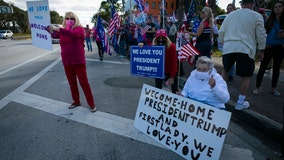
{"type": "Point", "coordinates": [19, 65]}
{"type": "Point", "coordinates": [108, 122]}
{"type": "Point", "coordinates": [112, 123]}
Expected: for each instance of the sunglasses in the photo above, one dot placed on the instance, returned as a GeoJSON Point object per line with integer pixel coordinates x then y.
{"type": "Point", "coordinates": [70, 18]}
{"type": "Point", "coordinates": [161, 39]}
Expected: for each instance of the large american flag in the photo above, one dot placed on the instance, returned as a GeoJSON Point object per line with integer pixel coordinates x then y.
{"type": "Point", "coordinates": [114, 21]}
{"type": "Point", "coordinates": [190, 11]}
{"type": "Point", "coordinates": [140, 5]}
{"type": "Point", "coordinates": [195, 26]}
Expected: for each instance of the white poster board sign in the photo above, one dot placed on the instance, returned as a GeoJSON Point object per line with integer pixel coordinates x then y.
{"type": "Point", "coordinates": [189, 128]}
{"type": "Point", "coordinates": [39, 19]}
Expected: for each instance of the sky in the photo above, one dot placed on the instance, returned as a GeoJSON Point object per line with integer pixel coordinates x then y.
{"type": "Point", "coordinates": [85, 8]}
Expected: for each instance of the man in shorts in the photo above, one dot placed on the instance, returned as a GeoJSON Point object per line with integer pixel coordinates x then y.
{"type": "Point", "coordinates": [242, 33]}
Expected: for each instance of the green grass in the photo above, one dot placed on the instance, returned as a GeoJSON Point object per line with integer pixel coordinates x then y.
{"type": "Point", "coordinates": [19, 36]}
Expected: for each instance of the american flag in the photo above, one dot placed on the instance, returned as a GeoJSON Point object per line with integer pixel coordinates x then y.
{"type": "Point", "coordinates": [101, 31]}
{"type": "Point", "coordinates": [196, 24]}
{"type": "Point", "coordinates": [140, 5]}
{"type": "Point", "coordinates": [190, 11]}
{"type": "Point", "coordinates": [187, 50]}
{"type": "Point", "coordinates": [146, 7]}
{"type": "Point", "coordinates": [145, 29]}
{"type": "Point", "coordinates": [114, 21]}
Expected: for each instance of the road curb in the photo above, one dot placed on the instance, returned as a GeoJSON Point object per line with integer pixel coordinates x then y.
{"type": "Point", "coordinates": [260, 122]}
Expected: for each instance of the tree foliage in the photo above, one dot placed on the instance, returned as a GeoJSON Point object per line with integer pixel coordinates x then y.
{"type": "Point", "coordinates": [105, 10]}
{"type": "Point", "coordinates": [55, 18]}
{"type": "Point", "coordinates": [18, 21]}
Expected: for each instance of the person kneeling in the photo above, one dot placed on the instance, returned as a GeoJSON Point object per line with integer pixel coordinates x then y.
{"type": "Point", "coordinates": [206, 85]}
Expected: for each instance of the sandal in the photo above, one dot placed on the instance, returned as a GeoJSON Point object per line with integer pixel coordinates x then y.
{"type": "Point", "coordinates": [93, 109]}
{"type": "Point", "coordinates": [74, 106]}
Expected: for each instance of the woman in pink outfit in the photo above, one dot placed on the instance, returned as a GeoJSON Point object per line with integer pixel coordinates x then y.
{"type": "Point", "coordinates": [73, 58]}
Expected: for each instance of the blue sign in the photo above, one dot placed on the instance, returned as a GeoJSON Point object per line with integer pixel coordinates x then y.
{"type": "Point", "coordinates": [147, 61]}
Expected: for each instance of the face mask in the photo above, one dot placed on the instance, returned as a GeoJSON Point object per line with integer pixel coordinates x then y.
{"type": "Point", "coordinates": [202, 75]}
{"type": "Point", "coordinates": [161, 42]}
{"type": "Point", "coordinates": [69, 23]}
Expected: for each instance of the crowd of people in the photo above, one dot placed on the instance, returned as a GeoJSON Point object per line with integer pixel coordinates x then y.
{"type": "Point", "coordinates": [242, 34]}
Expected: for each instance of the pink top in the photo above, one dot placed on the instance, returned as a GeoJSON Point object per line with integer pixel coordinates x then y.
{"type": "Point", "coordinates": [72, 46]}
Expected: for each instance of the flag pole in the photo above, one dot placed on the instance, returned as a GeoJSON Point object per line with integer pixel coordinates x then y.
{"type": "Point", "coordinates": [163, 13]}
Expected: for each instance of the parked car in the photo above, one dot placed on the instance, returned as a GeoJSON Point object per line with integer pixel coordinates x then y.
{"type": "Point", "coordinates": [55, 40]}
{"type": "Point", "coordinates": [220, 18]}
{"type": "Point", "coordinates": [4, 34]}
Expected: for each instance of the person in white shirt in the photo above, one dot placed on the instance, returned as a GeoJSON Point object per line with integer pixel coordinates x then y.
{"type": "Point", "coordinates": [172, 32]}
{"type": "Point", "coordinates": [241, 34]}
{"type": "Point", "coordinates": [206, 85]}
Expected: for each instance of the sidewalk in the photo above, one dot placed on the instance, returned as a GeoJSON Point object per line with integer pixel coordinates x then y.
{"type": "Point", "coordinates": [266, 111]}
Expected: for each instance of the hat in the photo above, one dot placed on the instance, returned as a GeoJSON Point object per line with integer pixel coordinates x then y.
{"type": "Point", "coordinates": [161, 32]}
{"type": "Point", "coordinates": [247, 1]}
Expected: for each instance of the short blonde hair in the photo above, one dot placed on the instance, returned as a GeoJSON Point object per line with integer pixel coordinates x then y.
{"type": "Point", "coordinates": [72, 15]}
{"type": "Point", "coordinates": [205, 60]}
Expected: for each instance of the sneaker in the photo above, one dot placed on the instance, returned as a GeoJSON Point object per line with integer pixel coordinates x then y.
{"type": "Point", "coordinates": [276, 93]}
{"type": "Point", "coordinates": [245, 105]}
{"type": "Point", "coordinates": [255, 91]}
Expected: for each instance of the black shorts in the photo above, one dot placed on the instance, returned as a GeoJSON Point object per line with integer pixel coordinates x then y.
{"type": "Point", "coordinates": [244, 64]}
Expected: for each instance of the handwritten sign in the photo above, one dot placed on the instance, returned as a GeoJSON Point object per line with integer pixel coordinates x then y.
{"type": "Point", "coordinates": [39, 19]}
{"type": "Point", "coordinates": [147, 61]}
{"type": "Point", "coordinates": [189, 128]}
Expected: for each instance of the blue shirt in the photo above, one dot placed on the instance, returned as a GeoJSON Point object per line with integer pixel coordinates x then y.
{"type": "Point", "coordinates": [272, 38]}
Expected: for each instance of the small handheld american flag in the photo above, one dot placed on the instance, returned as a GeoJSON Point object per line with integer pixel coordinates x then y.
{"type": "Point", "coordinates": [145, 29]}
{"type": "Point", "coordinates": [187, 50]}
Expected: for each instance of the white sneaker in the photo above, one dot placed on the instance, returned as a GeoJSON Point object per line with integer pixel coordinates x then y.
{"type": "Point", "coordinates": [255, 91]}
{"type": "Point", "coordinates": [245, 105]}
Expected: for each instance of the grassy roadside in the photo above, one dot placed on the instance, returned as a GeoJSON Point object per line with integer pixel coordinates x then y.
{"type": "Point", "coordinates": [22, 36]}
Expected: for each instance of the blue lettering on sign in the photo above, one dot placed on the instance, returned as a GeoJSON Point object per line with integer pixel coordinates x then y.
{"type": "Point", "coordinates": [147, 61]}
{"type": "Point", "coordinates": [39, 17]}
{"type": "Point", "coordinates": [42, 8]}
{"type": "Point", "coordinates": [31, 9]}
{"type": "Point", "coordinates": [41, 36]}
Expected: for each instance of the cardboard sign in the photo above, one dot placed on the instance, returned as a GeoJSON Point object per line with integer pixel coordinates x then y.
{"type": "Point", "coordinates": [189, 128]}
{"type": "Point", "coordinates": [147, 61]}
{"type": "Point", "coordinates": [39, 19]}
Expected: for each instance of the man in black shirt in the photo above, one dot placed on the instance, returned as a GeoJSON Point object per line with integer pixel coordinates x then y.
{"type": "Point", "coordinates": [150, 34]}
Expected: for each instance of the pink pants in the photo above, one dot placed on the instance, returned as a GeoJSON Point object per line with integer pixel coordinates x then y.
{"type": "Point", "coordinates": [74, 71]}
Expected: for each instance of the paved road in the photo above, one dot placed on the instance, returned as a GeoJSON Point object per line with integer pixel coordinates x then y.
{"type": "Point", "coordinates": [36, 124]}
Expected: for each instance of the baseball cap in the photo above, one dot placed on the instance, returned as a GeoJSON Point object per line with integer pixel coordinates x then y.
{"type": "Point", "coordinates": [161, 32]}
